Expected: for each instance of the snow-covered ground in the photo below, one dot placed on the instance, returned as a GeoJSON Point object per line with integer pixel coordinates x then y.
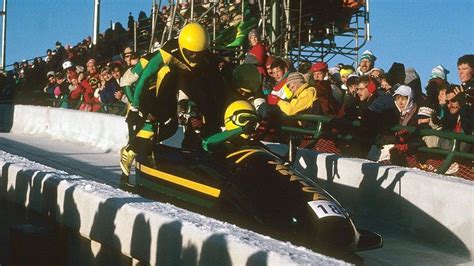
{"type": "Point", "coordinates": [102, 166]}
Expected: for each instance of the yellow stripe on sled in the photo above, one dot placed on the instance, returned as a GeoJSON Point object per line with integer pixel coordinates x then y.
{"type": "Point", "coordinates": [211, 191]}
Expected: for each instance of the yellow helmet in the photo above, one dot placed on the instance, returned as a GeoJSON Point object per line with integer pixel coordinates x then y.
{"type": "Point", "coordinates": [193, 39]}
{"type": "Point", "coordinates": [239, 114]}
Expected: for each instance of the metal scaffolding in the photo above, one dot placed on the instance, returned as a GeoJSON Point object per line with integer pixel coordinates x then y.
{"type": "Point", "coordinates": [289, 28]}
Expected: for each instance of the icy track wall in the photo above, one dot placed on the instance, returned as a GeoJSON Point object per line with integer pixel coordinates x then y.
{"type": "Point", "coordinates": [148, 231]}
{"type": "Point", "coordinates": [436, 208]}
{"type": "Point", "coordinates": [104, 131]}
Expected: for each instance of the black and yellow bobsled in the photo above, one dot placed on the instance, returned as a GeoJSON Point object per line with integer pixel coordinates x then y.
{"type": "Point", "coordinates": [256, 188]}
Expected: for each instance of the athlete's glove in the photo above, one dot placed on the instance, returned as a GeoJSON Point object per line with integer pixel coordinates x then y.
{"type": "Point", "coordinates": [196, 123]}
{"type": "Point", "coordinates": [134, 116]}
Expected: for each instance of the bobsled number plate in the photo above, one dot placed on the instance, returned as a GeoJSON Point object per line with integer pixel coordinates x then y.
{"type": "Point", "coordinates": [324, 208]}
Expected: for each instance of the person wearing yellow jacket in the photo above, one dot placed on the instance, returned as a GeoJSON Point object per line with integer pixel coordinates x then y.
{"type": "Point", "coordinates": [303, 96]}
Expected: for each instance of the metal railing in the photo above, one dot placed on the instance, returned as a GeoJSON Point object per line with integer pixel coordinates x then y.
{"type": "Point", "coordinates": [317, 130]}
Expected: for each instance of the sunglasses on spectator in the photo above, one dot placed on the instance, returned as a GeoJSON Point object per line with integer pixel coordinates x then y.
{"type": "Point", "coordinates": [128, 55]}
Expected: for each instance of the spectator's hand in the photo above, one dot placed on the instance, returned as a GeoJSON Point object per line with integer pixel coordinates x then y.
{"type": "Point", "coordinates": [118, 95]}
{"type": "Point", "coordinates": [273, 99]}
{"type": "Point", "coordinates": [442, 98]}
{"type": "Point", "coordinates": [402, 135]}
{"type": "Point", "coordinates": [460, 95]}
{"type": "Point", "coordinates": [458, 90]}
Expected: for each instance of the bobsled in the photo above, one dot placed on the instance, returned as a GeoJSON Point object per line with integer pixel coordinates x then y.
{"type": "Point", "coordinates": [255, 188]}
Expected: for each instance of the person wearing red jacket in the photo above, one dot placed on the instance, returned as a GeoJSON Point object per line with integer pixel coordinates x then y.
{"type": "Point", "coordinates": [257, 51]}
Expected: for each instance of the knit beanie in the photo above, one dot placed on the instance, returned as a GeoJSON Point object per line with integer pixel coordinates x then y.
{"type": "Point", "coordinates": [295, 76]}
{"type": "Point", "coordinates": [439, 72]}
{"type": "Point", "coordinates": [367, 54]}
{"type": "Point", "coordinates": [346, 72]}
{"type": "Point", "coordinates": [254, 32]}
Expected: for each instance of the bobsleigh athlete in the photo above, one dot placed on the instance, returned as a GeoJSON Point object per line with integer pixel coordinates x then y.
{"type": "Point", "coordinates": [183, 64]}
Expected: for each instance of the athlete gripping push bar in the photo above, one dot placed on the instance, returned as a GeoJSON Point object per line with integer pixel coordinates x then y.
{"type": "Point", "coordinates": [174, 65]}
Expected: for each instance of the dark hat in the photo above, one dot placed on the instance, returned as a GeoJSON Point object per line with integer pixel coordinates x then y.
{"type": "Point", "coordinates": [396, 74]}
{"type": "Point", "coordinates": [425, 112]}
{"type": "Point", "coordinates": [352, 79]}
{"type": "Point", "coordinates": [58, 43]}
{"type": "Point", "coordinates": [59, 75]}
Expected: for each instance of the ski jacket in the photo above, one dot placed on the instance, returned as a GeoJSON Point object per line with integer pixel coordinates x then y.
{"type": "Point", "coordinates": [302, 100]}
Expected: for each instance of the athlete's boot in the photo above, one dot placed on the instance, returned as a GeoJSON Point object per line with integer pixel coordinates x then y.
{"type": "Point", "coordinates": [125, 185]}
{"type": "Point", "coordinates": [126, 159]}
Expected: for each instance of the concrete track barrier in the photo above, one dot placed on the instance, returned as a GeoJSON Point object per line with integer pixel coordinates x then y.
{"type": "Point", "coordinates": [148, 231]}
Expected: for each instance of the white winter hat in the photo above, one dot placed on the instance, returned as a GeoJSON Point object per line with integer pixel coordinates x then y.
{"type": "Point", "coordinates": [404, 90]}
{"type": "Point", "coordinates": [439, 72]}
{"type": "Point", "coordinates": [67, 64]}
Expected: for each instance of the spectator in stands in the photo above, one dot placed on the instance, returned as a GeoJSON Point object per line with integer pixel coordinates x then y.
{"type": "Point", "coordinates": [61, 91]}
{"type": "Point", "coordinates": [384, 85]}
{"type": "Point", "coordinates": [344, 73]}
{"type": "Point", "coordinates": [404, 143]}
{"type": "Point", "coordinates": [269, 80]}
{"type": "Point", "coordinates": [280, 74]}
{"type": "Point", "coordinates": [325, 88]}
{"type": "Point", "coordinates": [466, 74]}
{"type": "Point", "coordinates": [325, 103]}
{"type": "Point", "coordinates": [49, 88]}
{"type": "Point", "coordinates": [404, 101]}
{"type": "Point", "coordinates": [60, 52]}
{"type": "Point", "coordinates": [130, 24]}
{"type": "Point", "coordinates": [49, 55]}
{"type": "Point", "coordinates": [376, 73]}
{"type": "Point", "coordinates": [374, 109]}
{"type": "Point", "coordinates": [117, 71]}
{"type": "Point", "coordinates": [319, 71]}
{"type": "Point", "coordinates": [303, 96]}
{"type": "Point", "coordinates": [367, 62]}
{"type": "Point", "coordinates": [412, 80]}
{"type": "Point", "coordinates": [70, 69]}
{"type": "Point", "coordinates": [426, 119]}
{"type": "Point", "coordinates": [257, 52]}
{"type": "Point", "coordinates": [458, 118]}
{"type": "Point", "coordinates": [439, 71]}
{"type": "Point", "coordinates": [90, 84]}
{"type": "Point", "coordinates": [75, 91]}
{"type": "Point", "coordinates": [351, 100]}
{"type": "Point", "coordinates": [396, 76]}
{"type": "Point", "coordinates": [109, 86]}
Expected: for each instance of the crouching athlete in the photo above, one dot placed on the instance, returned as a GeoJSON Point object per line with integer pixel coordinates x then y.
{"type": "Point", "coordinates": [181, 64]}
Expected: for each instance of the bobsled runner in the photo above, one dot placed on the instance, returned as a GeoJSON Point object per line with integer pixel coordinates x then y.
{"type": "Point", "coordinates": [254, 188]}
